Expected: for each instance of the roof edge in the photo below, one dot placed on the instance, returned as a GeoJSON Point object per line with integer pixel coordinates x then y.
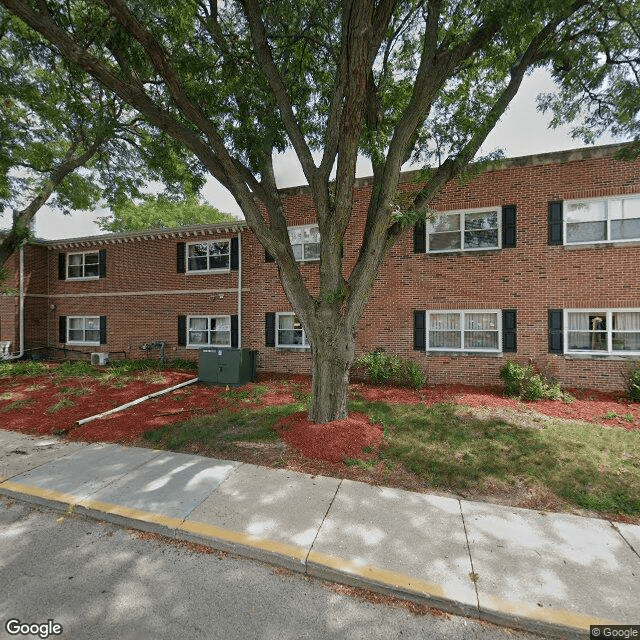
{"type": "Point", "coordinates": [533, 160]}
{"type": "Point", "coordinates": [231, 226]}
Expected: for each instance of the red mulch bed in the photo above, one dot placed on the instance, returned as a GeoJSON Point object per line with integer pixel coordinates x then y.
{"type": "Point", "coordinates": [330, 442]}
{"type": "Point", "coordinates": [589, 406]}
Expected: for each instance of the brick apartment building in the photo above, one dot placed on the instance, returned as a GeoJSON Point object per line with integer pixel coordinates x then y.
{"type": "Point", "coordinates": [536, 260]}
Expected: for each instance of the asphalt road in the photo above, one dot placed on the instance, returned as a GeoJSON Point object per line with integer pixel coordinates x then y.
{"type": "Point", "coordinates": [99, 581]}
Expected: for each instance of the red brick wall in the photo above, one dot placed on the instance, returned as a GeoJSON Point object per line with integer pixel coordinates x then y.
{"type": "Point", "coordinates": [531, 278]}
{"type": "Point", "coordinates": [142, 294]}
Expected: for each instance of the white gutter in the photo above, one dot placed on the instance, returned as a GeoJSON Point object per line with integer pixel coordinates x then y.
{"type": "Point", "coordinates": [21, 308]}
{"type": "Point", "coordinates": [239, 290]}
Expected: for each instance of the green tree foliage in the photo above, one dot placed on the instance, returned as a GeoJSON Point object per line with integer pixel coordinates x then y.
{"type": "Point", "coordinates": [67, 142]}
{"type": "Point", "coordinates": [160, 212]}
{"type": "Point", "coordinates": [599, 76]}
{"type": "Point", "coordinates": [234, 81]}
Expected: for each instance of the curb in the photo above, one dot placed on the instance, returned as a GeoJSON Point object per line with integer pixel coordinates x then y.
{"type": "Point", "coordinates": [555, 622]}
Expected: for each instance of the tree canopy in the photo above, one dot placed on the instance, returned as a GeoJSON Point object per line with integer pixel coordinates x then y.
{"type": "Point", "coordinates": [234, 81]}
{"type": "Point", "coordinates": [156, 212]}
{"type": "Point", "coordinates": [67, 142]}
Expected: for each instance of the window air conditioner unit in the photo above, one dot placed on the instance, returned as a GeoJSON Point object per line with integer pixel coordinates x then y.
{"type": "Point", "coordinates": [99, 358]}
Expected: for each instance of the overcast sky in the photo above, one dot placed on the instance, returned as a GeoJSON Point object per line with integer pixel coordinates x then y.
{"type": "Point", "coordinates": [522, 131]}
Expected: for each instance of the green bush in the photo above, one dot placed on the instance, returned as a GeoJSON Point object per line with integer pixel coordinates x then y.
{"type": "Point", "coordinates": [521, 381]}
{"type": "Point", "coordinates": [382, 368]}
{"type": "Point", "coordinates": [634, 384]}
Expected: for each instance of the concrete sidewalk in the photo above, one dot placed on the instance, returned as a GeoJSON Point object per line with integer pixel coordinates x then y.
{"type": "Point", "coordinates": [551, 573]}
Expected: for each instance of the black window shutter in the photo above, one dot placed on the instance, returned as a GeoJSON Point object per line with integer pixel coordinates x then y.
{"type": "Point", "coordinates": [102, 259]}
{"type": "Point", "coordinates": [62, 266]}
{"type": "Point", "coordinates": [555, 331]}
{"type": "Point", "coordinates": [555, 223]}
{"type": "Point", "coordinates": [103, 329]}
{"type": "Point", "coordinates": [419, 337]}
{"type": "Point", "coordinates": [509, 226]}
{"type": "Point", "coordinates": [182, 331]}
{"type": "Point", "coordinates": [509, 330]}
{"type": "Point", "coordinates": [235, 257]}
{"type": "Point", "coordinates": [420, 238]}
{"type": "Point", "coordinates": [268, 257]}
{"type": "Point", "coordinates": [180, 258]}
{"type": "Point", "coordinates": [234, 331]}
{"type": "Point", "coordinates": [269, 329]}
{"type": "Point", "coordinates": [62, 329]}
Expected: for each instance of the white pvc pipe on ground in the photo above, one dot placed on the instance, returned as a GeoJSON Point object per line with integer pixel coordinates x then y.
{"type": "Point", "coordinates": [134, 402]}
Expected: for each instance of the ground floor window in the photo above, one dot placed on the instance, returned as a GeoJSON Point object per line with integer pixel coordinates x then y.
{"type": "Point", "coordinates": [603, 331]}
{"type": "Point", "coordinates": [83, 329]}
{"type": "Point", "coordinates": [289, 331]}
{"type": "Point", "coordinates": [209, 331]}
{"type": "Point", "coordinates": [463, 330]}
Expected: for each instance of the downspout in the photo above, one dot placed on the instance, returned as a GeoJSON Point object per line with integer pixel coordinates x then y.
{"type": "Point", "coordinates": [20, 307]}
{"type": "Point", "coordinates": [239, 289]}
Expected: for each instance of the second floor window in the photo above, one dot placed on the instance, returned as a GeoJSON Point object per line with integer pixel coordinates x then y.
{"type": "Point", "coordinates": [305, 242]}
{"type": "Point", "coordinates": [603, 220]}
{"type": "Point", "coordinates": [208, 256]}
{"type": "Point", "coordinates": [464, 231]}
{"type": "Point", "coordinates": [83, 265]}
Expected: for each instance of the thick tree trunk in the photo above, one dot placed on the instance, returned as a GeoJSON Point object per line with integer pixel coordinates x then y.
{"type": "Point", "coordinates": [333, 351]}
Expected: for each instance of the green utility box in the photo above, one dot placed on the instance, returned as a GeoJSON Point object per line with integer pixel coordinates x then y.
{"type": "Point", "coordinates": [227, 366]}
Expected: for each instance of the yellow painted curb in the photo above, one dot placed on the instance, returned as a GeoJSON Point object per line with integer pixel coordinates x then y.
{"type": "Point", "coordinates": [263, 544]}
{"type": "Point", "coordinates": [38, 492]}
{"type": "Point", "coordinates": [130, 513]}
{"type": "Point", "coordinates": [560, 617]}
{"type": "Point", "coordinates": [393, 579]}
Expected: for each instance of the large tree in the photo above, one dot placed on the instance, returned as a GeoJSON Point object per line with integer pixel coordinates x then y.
{"type": "Point", "coordinates": [67, 142]}
{"type": "Point", "coordinates": [236, 80]}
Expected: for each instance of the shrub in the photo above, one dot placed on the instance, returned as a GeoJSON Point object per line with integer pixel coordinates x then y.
{"type": "Point", "coordinates": [520, 380]}
{"type": "Point", "coordinates": [382, 367]}
{"type": "Point", "coordinates": [634, 384]}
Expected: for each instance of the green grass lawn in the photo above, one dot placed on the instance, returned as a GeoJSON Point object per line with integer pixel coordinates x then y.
{"type": "Point", "coordinates": [589, 466]}
{"type": "Point", "coordinates": [449, 448]}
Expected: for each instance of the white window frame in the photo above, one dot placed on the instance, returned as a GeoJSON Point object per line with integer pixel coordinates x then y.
{"type": "Point", "coordinates": [608, 313]}
{"type": "Point", "coordinates": [303, 345]}
{"type": "Point", "coordinates": [226, 269]}
{"type": "Point", "coordinates": [304, 226]}
{"type": "Point", "coordinates": [608, 219]}
{"type": "Point", "coordinates": [197, 345]}
{"type": "Point", "coordinates": [462, 213]}
{"type": "Point", "coordinates": [84, 330]}
{"type": "Point", "coordinates": [84, 254]}
{"type": "Point", "coordinates": [462, 313]}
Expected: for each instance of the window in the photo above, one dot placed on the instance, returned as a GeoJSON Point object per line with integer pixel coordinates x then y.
{"type": "Point", "coordinates": [83, 265]}
{"type": "Point", "coordinates": [209, 256]}
{"type": "Point", "coordinates": [603, 332]}
{"type": "Point", "coordinates": [289, 331]}
{"type": "Point", "coordinates": [463, 330]}
{"type": "Point", "coordinates": [83, 329]}
{"type": "Point", "coordinates": [464, 230]}
{"type": "Point", "coordinates": [209, 331]}
{"type": "Point", "coordinates": [604, 220]}
{"type": "Point", "coordinates": [305, 242]}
